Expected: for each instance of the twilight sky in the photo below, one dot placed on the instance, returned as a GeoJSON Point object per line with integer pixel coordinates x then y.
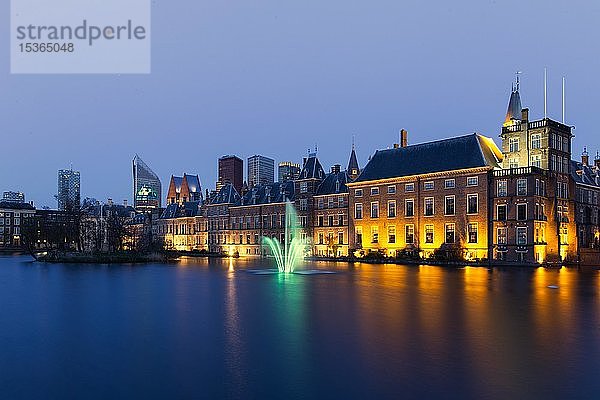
{"type": "Point", "coordinates": [275, 78]}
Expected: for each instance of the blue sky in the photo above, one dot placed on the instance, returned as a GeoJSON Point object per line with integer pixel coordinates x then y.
{"type": "Point", "coordinates": [276, 78]}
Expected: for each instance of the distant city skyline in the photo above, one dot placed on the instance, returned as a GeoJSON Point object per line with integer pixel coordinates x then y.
{"type": "Point", "coordinates": [292, 76]}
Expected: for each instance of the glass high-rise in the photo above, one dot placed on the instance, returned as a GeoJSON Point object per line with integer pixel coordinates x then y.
{"type": "Point", "coordinates": [261, 170]}
{"type": "Point", "coordinates": [288, 171]}
{"type": "Point", "coordinates": [147, 189]}
{"type": "Point", "coordinates": [69, 190]}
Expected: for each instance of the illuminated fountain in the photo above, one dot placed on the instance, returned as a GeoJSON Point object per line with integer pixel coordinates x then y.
{"type": "Point", "coordinates": [288, 256]}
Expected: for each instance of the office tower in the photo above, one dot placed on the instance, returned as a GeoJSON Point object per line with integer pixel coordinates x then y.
{"type": "Point", "coordinates": [261, 170]}
{"type": "Point", "coordinates": [147, 188]}
{"type": "Point", "coordinates": [288, 171]}
{"type": "Point", "coordinates": [69, 190]}
{"type": "Point", "coordinates": [231, 170]}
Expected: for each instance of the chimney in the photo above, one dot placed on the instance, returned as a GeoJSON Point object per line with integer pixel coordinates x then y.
{"type": "Point", "coordinates": [110, 202]}
{"type": "Point", "coordinates": [597, 160]}
{"type": "Point", "coordinates": [336, 168]}
{"type": "Point", "coordinates": [403, 138]}
{"type": "Point", "coordinates": [396, 145]}
{"type": "Point", "coordinates": [585, 157]}
{"type": "Point", "coordinates": [525, 115]}
{"type": "Point", "coordinates": [125, 202]}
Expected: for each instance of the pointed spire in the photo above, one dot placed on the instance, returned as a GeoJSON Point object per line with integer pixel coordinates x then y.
{"type": "Point", "coordinates": [353, 168]}
{"type": "Point", "coordinates": [513, 113]}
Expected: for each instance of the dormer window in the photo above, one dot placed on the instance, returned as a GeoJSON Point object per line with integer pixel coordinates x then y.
{"type": "Point", "coordinates": [337, 186]}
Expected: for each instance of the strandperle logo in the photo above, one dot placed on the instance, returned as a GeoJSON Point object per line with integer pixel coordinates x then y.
{"type": "Point", "coordinates": [80, 36]}
{"type": "Point", "coordinates": [85, 31]}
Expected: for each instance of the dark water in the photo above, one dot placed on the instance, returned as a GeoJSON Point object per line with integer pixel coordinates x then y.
{"type": "Point", "coordinates": [211, 329]}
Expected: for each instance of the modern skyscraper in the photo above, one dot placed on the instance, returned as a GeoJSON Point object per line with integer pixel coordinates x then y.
{"type": "Point", "coordinates": [13, 197]}
{"type": "Point", "coordinates": [231, 170]}
{"type": "Point", "coordinates": [147, 189]}
{"type": "Point", "coordinates": [288, 171]}
{"type": "Point", "coordinates": [69, 190]}
{"type": "Point", "coordinates": [261, 170]}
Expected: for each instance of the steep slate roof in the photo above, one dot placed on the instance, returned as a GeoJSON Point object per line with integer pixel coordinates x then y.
{"type": "Point", "coordinates": [193, 182]}
{"type": "Point", "coordinates": [514, 107]}
{"type": "Point", "coordinates": [312, 168]}
{"type": "Point", "coordinates": [177, 181]}
{"type": "Point", "coordinates": [585, 174]}
{"type": "Point", "coordinates": [227, 195]}
{"type": "Point", "coordinates": [187, 209]}
{"type": "Point", "coordinates": [16, 206]}
{"type": "Point", "coordinates": [333, 183]}
{"type": "Point", "coordinates": [462, 152]}
{"type": "Point", "coordinates": [277, 192]}
{"type": "Point", "coordinates": [353, 162]}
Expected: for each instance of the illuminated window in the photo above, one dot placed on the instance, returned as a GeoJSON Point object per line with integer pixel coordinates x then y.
{"type": "Point", "coordinates": [449, 205]}
{"type": "Point", "coordinates": [472, 204]}
{"type": "Point", "coordinates": [536, 141]}
{"type": "Point", "coordinates": [374, 234]}
{"type": "Point", "coordinates": [429, 207]}
{"type": "Point", "coordinates": [521, 235]}
{"type": "Point", "coordinates": [320, 237]}
{"type": "Point", "coordinates": [409, 187]}
{"type": "Point", "coordinates": [513, 145]}
{"type": "Point", "coordinates": [409, 231]}
{"type": "Point", "coordinates": [521, 187]}
{"type": "Point", "coordinates": [358, 211]}
{"type": "Point", "coordinates": [409, 208]}
{"type": "Point", "coordinates": [472, 232]}
{"type": "Point", "coordinates": [449, 184]}
{"type": "Point", "coordinates": [391, 234]}
{"type": "Point", "coordinates": [536, 160]}
{"type": "Point", "coordinates": [358, 235]}
{"type": "Point", "coordinates": [358, 193]}
{"type": "Point", "coordinates": [303, 204]}
{"type": "Point", "coordinates": [513, 163]}
{"type": "Point", "coordinates": [502, 188]}
{"type": "Point", "coordinates": [501, 235]}
{"type": "Point", "coordinates": [450, 233]}
{"type": "Point", "coordinates": [472, 181]}
{"type": "Point", "coordinates": [428, 233]}
{"type": "Point", "coordinates": [391, 189]}
{"type": "Point", "coordinates": [392, 209]}
{"type": "Point", "coordinates": [429, 185]}
{"type": "Point", "coordinates": [340, 237]}
{"type": "Point", "coordinates": [374, 191]}
{"type": "Point", "coordinates": [303, 187]}
{"type": "Point", "coordinates": [375, 209]}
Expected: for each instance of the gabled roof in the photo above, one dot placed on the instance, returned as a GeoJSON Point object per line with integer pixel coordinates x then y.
{"type": "Point", "coordinates": [227, 195]}
{"type": "Point", "coordinates": [462, 152]}
{"type": "Point", "coordinates": [193, 182]}
{"type": "Point", "coordinates": [585, 174]}
{"type": "Point", "coordinates": [334, 182]}
{"type": "Point", "coordinates": [312, 168]}
{"type": "Point", "coordinates": [177, 181]}
{"type": "Point", "coordinates": [277, 192]}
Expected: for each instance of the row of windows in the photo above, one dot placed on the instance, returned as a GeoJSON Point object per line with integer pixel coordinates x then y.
{"type": "Point", "coordinates": [428, 185]}
{"type": "Point", "coordinates": [332, 202]}
{"type": "Point", "coordinates": [330, 238]}
{"type": "Point", "coordinates": [331, 220]}
{"type": "Point", "coordinates": [472, 201]}
{"type": "Point", "coordinates": [521, 212]}
{"type": "Point", "coordinates": [472, 234]}
{"type": "Point", "coordinates": [521, 235]}
{"type": "Point", "coordinates": [555, 142]}
{"type": "Point", "coordinates": [521, 187]}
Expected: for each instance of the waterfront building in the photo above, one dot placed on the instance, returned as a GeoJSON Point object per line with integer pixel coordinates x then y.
{"type": "Point", "coordinates": [261, 170]}
{"type": "Point", "coordinates": [14, 197]}
{"type": "Point", "coordinates": [331, 215]}
{"type": "Point", "coordinates": [217, 214]}
{"type": "Point", "coordinates": [183, 226]}
{"type": "Point", "coordinates": [288, 171]}
{"type": "Point", "coordinates": [183, 189]}
{"type": "Point", "coordinates": [311, 176]}
{"type": "Point", "coordinates": [414, 201]}
{"type": "Point", "coordinates": [230, 170]}
{"type": "Point", "coordinates": [69, 187]}
{"type": "Point", "coordinates": [259, 213]}
{"type": "Point", "coordinates": [147, 188]}
{"type": "Point", "coordinates": [13, 215]}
